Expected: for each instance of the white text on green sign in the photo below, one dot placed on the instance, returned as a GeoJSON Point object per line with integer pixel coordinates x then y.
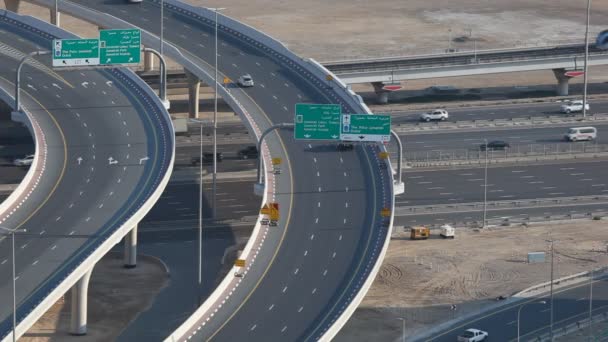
{"type": "Point", "coordinates": [75, 52]}
{"type": "Point", "coordinates": [356, 127]}
{"type": "Point", "coordinates": [120, 46]}
{"type": "Point", "coordinates": [317, 121]}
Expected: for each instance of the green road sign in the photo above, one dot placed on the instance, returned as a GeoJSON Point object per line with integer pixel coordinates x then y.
{"type": "Point", "coordinates": [120, 46]}
{"type": "Point", "coordinates": [317, 121]}
{"type": "Point", "coordinates": [366, 127]}
{"type": "Point", "coordinates": [75, 52]}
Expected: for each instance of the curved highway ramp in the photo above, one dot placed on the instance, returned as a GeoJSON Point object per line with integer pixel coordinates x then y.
{"type": "Point", "coordinates": [104, 152]}
{"type": "Point", "coordinates": [304, 278]}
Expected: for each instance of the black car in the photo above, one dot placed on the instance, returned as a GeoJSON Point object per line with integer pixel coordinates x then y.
{"type": "Point", "coordinates": [345, 147]}
{"type": "Point", "coordinates": [248, 152]}
{"type": "Point", "coordinates": [496, 145]}
{"type": "Point", "coordinates": [207, 158]}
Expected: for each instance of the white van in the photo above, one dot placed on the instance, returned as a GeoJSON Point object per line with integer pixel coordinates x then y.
{"type": "Point", "coordinates": [581, 133]}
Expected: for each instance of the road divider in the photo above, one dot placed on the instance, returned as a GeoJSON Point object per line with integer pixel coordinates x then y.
{"type": "Point", "coordinates": [516, 154]}
{"type": "Point", "coordinates": [523, 122]}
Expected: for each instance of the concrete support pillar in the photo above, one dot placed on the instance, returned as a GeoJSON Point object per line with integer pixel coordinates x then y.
{"type": "Point", "coordinates": [78, 324]}
{"type": "Point", "coordinates": [130, 259]}
{"type": "Point", "coordinates": [194, 86]}
{"type": "Point", "coordinates": [55, 16]}
{"type": "Point", "coordinates": [148, 61]}
{"type": "Point", "coordinates": [382, 95]}
{"type": "Point", "coordinates": [12, 5]}
{"type": "Point", "coordinates": [562, 81]}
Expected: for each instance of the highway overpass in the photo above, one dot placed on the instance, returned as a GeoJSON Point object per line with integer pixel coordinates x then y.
{"type": "Point", "coordinates": [379, 72]}
{"type": "Point", "coordinates": [104, 153]}
{"type": "Point", "coordinates": [348, 243]}
{"type": "Point", "coordinates": [393, 70]}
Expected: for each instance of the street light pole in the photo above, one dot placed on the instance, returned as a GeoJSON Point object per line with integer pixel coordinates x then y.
{"type": "Point", "coordinates": [14, 287]}
{"type": "Point", "coordinates": [519, 312]}
{"type": "Point", "coordinates": [402, 329]}
{"type": "Point", "coordinates": [214, 186]}
{"type": "Point", "coordinates": [18, 76]}
{"type": "Point", "coordinates": [551, 294]}
{"type": "Point", "coordinates": [586, 60]}
{"type": "Point", "coordinates": [485, 185]}
{"type": "Point", "coordinates": [200, 212]}
{"type": "Point", "coordinates": [162, 25]}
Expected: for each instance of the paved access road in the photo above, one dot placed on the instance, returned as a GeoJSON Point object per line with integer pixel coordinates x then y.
{"type": "Point", "coordinates": [505, 183]}
{"type": "Point", "coordinates": [569, 305]}
{"type": "Point", "coordinates": [87, 117]}
{"type": "Point", "coordinates": [331, 226]}
{"type": "Point", "coordinates": [519, 139]}
{"type": "Point", "coordinates": [507, 111]}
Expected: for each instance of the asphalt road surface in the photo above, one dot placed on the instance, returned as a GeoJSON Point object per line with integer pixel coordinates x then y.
{"type": "Point", "coordinates": [569, 306]}
{"type": "Point", "coordinates": [76, 205]}
{"type": "Point", "coordinates": [508, 111]}
{"type": "Point", "coordinates": [305, 282]}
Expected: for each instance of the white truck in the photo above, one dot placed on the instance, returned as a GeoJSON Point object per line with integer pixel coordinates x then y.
{"type": "Point", "coordinates": [447, 231]}
{"type": "Point", "coordinates": [472, 335]}
{"type": "Point", "coordinates": [574, 106]}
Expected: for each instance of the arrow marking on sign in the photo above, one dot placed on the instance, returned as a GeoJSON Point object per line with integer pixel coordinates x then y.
{"type": "Point", "coordinates": [306, 135]}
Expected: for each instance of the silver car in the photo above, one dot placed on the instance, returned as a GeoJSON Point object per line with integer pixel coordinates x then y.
{"type": "Point", "coordinates": [245, 81]}
{"type": "Point", "coordinates": [25, 161]}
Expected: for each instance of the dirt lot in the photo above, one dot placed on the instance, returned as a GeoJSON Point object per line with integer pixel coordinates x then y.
{"type": "Point", "coordinates": [116, 296]}
{"type": "Point", "coordinates": [421, 279]}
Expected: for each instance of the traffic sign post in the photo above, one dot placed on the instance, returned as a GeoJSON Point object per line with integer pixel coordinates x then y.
{"type": "Point", "coordinates": [122, 46]}
{"type": "Point", "coordinates": [317, 121]}
{"type": "Point", "coordinates": [75, 52]}
{"type": "Point", "coordinates": [356, 127]}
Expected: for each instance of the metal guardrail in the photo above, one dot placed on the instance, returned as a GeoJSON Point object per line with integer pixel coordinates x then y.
{"type": "Point", "coordinates": [480, 57]}
{"type": "Point", "coordinates": [505, 204]}
{"type": "Point", "coordinates": [529, 121]}
{"type": "Point", "coordinates": [582, 149]}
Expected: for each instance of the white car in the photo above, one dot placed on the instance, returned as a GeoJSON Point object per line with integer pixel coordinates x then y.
{"type": "Point", "coordinates": [245, 81]}
{"type": "Point", "coordinates": [574, 106]}
{"type": "Point", "coordinates": [25, 161]}
{"type": "Point", "coordinates": [472, 335]}
{"type": "Point", "coordinates": [437, 114]}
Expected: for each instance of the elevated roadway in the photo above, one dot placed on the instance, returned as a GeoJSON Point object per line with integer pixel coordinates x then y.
{"type": "Point", "coordinates": [316, 266]}
{"type": "Point", "coordinates": [560, 59]}
{"type": "Point", "coordinates": [88, 186]}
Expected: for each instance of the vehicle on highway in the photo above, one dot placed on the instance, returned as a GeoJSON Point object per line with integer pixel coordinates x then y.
{"type": "Point", "coordinates": [207, 158]}
{"type": "Point", "coordinates": [581, 134]}
{"type": "Point", "coordinates": [496, 145]}
{"type": "Point", "coordinates": [435, 115]}
{"type": "Point", "coordinates": [472, 335]}
{"type": "Point", "coordinates": [345, 147]}
{"type": "Point", "coordinates": [245, 81]}
{"type": "Point", "coordinates": [134, 1]}
{"type": "Point", "coordinates": [25, 161]}
{"type": "Point", "coordinates": [574, 106]}
{"type": "Point", "coordinates": [248, 152]}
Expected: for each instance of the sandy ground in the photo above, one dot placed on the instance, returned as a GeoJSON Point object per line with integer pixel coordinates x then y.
{"type": "Point", "coordinates": [419, 280]}
{"type": "Point", "coordinates": [116, 296]}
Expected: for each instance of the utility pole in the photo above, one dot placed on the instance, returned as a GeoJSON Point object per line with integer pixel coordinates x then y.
{"type": "Point", "coordinates": [214, 185]}
{"type": "Point", "coordinates": [585, 78]}
{"type": "Point", "coordinates": [551, 293]}
{"type": "Point", "coordinates": [485, 186]}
